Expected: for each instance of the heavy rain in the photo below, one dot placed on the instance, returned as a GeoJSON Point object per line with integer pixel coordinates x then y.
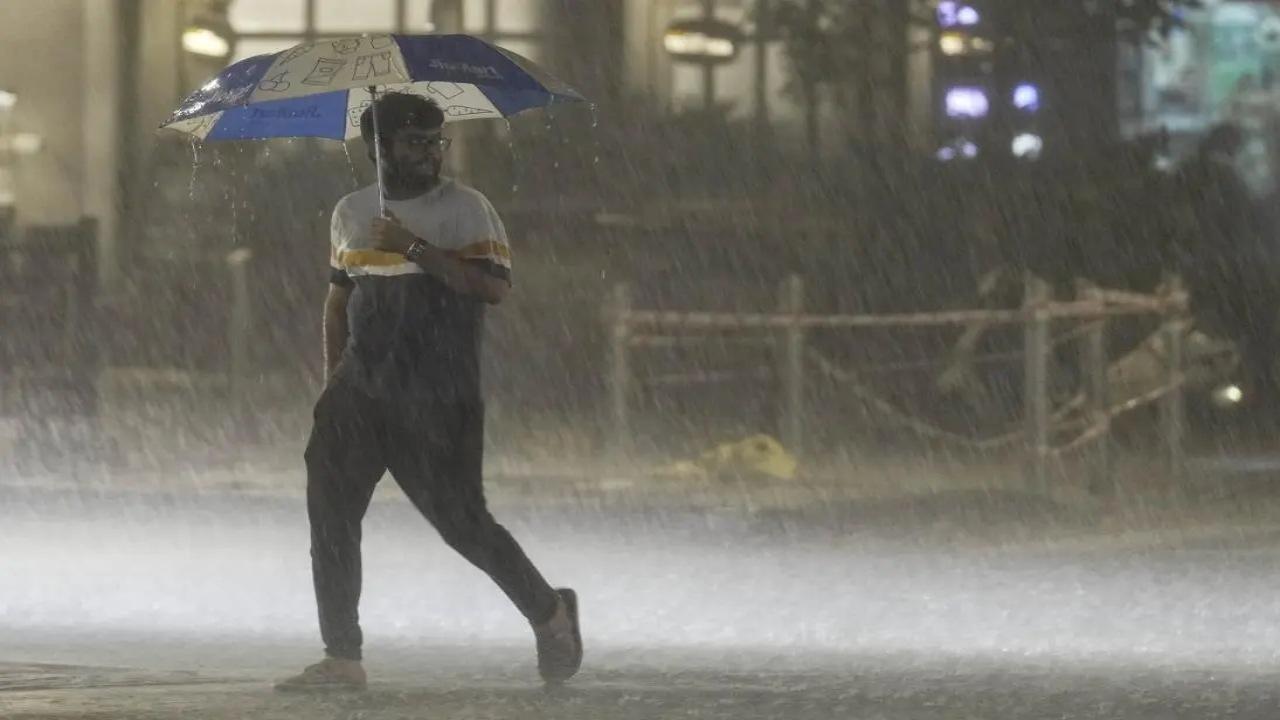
{"type": "Point", "coordinates": [872, 359]}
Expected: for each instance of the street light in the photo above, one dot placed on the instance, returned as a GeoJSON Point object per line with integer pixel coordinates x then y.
{"type": "Point", "coordinates": [207, 41]}
{"type": "Point", "coordinates": [204, 41]}
{"type": "Point", "coordinates": [704, 41]}
{"type": "Point", "coordinates": [954, 14]}
{"type": "Point", "coordinates": [967, 102]}
{"type": "Point", "coordinates": [208, 33]}
{"type": "Point", "coordinates": [1026, 97]}
{"type": "Point", "coordinates": [1027, 146]}
{"type": "Point", "coordinates": [957, 43]}
{"type": "Point", "coordinates": [696, 44]}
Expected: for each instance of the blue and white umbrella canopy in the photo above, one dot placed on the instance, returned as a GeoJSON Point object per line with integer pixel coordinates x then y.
{"type": "Point", "coordinates": [320, 88]}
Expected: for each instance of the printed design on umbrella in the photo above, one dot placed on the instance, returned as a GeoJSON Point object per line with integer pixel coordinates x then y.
{"type": "Point", "coordinates": [198, 126]}
{"type": "Point", "coordinates": [353, 114]}
{"type": "Point", "coordinates": [203, 126]}
{"type": "Point", "coordinates": [479, 72]}
{"type": "Point", "coordinates": [320, 87]}
{"type": "Point", "coordinates": [370, 67]}
{"type": "Point", "coordinates": [294, 53]}
{"type": "Point", "coordinates": [374, 69]}
{"type": "Point", "coordinates": [309, 112]}
{"type": "Point", "coordinates": [446, 90]}
{"type": "Point", "coordinates": [302, 93]}
{"type": "Point", "coordinates": [324, 72]}
{"type": "Point", "coordinates": [458, 111]}
{"type": "Point", "coordinates": [347, 46]}
{"type": "Point", "coordinates": [276, 83]}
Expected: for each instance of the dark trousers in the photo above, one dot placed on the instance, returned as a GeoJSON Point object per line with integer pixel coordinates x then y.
{"type": "Point", "coordinates": [433, 449]}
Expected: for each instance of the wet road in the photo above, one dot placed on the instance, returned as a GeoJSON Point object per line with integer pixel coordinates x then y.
{"type": "Point", "coordinates": [685, 615]}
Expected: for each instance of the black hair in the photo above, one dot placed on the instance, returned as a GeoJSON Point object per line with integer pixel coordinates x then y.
{"type": "Point", "coordinates": [398, 110]}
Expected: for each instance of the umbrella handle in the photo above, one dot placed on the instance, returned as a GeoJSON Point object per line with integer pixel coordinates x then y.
{"type": "Point", "coordinates": [377, 149]}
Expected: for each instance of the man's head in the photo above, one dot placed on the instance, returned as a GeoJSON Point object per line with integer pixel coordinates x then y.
{"type": "Point", "coordinates": [412, 144]}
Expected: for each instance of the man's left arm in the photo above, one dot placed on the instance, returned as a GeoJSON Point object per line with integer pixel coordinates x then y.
{"type": "Point", "coordinates": [462, 275]}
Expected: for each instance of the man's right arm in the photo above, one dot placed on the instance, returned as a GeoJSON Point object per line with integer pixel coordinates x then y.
{"type": "Point", "coordinates": [335, 328]}
{"type": "Point", "coordinates": [335, 303]}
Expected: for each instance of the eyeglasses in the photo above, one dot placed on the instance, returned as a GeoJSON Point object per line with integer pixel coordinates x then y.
{"type": "Point", "coordinates": [429, 143]}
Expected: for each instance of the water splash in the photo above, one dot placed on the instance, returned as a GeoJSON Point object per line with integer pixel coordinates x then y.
{"type": "Point", "coordinates": [595, 135]}
{"type": "Point", "coordinates": [195, 163]}
{"type": "Point", "coordinates": [515, 158]}
{"type": "Point", "coordinates": [550, 126]}
{"type": "Point", "coordinates": [233, 192]}
{"type": "Point", "coordinates": [351, 164]}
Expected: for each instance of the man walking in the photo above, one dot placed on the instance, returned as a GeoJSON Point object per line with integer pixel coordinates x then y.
{"type": "Point", "coordinates": [402, 328]}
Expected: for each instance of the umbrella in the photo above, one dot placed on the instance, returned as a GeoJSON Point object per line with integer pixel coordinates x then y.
{"type": "Point", "coordinates": [320, 88]}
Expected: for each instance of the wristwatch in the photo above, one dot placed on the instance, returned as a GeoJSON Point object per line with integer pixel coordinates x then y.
{"type": "Point", "coordinates": [416, 248]}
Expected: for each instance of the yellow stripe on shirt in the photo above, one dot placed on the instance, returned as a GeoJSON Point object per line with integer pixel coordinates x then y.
{"type": "Point", "coordinates": [369, 258]}
{"type": "Point", "coordinates": [486, 250]}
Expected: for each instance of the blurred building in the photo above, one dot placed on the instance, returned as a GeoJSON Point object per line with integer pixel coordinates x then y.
{"type": "Point", "coordinates": [91, 79]}
{"type": "Point", "coordinates": [60, 113]}
{"type": "Point", "coordinates": [758, 82]}
{"type": "Point", "coordinates": [1221, 65]}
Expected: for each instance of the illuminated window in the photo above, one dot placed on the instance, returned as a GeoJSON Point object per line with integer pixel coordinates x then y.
{"type": "Point", "coordinates": [967, 102]}
{"type": "Point", "coordinates": [954, 14]}
{"type": "Point", "coordinates": [958, 148]}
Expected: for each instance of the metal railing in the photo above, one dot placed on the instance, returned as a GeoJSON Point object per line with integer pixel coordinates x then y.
{"type": "Point", "coordinates": [1087, 416]}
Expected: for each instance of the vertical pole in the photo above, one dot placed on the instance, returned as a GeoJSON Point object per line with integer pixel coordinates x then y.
{"type": "Point", "coordinates": [791, 357]}
{"type": "Point", "coordinates": [90, 358]}
{"type": "Point", "coordinates": [1036, 390]}
{"type": "Point", "coordinates": [103, 131]}
{"type": "Point", "coordinates": [618, 320]}
{"type": "Point", "coordinates": [71, 320]}
{"type": "Point", "coordinates": [377, 150]}
{"type": "Point", "coordinates": [1172, 405]}
{"type": "Point", "coordinates": [309, 19]}
{"type": "Point", "coordinates": [1093, 363]}
{"type": "Point", "coordinates": [238, 329]}
{"type": "Point", "coordinates": [708, 69]}
{"type": "Point", "coordinates": [764, 29]}
{"type": "Point", "coordinates": [402, 16]}
{"type": "Point", "coordinates": [809, 91]}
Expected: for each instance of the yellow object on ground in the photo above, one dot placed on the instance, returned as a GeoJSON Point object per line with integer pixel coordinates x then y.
{"type": "Point", "coordinates": [758, 454]}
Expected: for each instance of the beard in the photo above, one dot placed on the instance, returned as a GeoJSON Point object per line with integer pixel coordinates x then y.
{"type": "Point", "coordinates": [420, 175]}
{"type": "Point", "coordinates": [414, 174]}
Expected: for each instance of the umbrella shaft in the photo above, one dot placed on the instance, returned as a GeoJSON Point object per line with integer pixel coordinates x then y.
{"type": "Point", "coordinates": [377, 148]}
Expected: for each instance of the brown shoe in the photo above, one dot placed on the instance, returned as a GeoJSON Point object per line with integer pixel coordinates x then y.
{"type": "Point", "coordinates": [559, 641]}
{"type": "Point", "coordinates": [328, 674]}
